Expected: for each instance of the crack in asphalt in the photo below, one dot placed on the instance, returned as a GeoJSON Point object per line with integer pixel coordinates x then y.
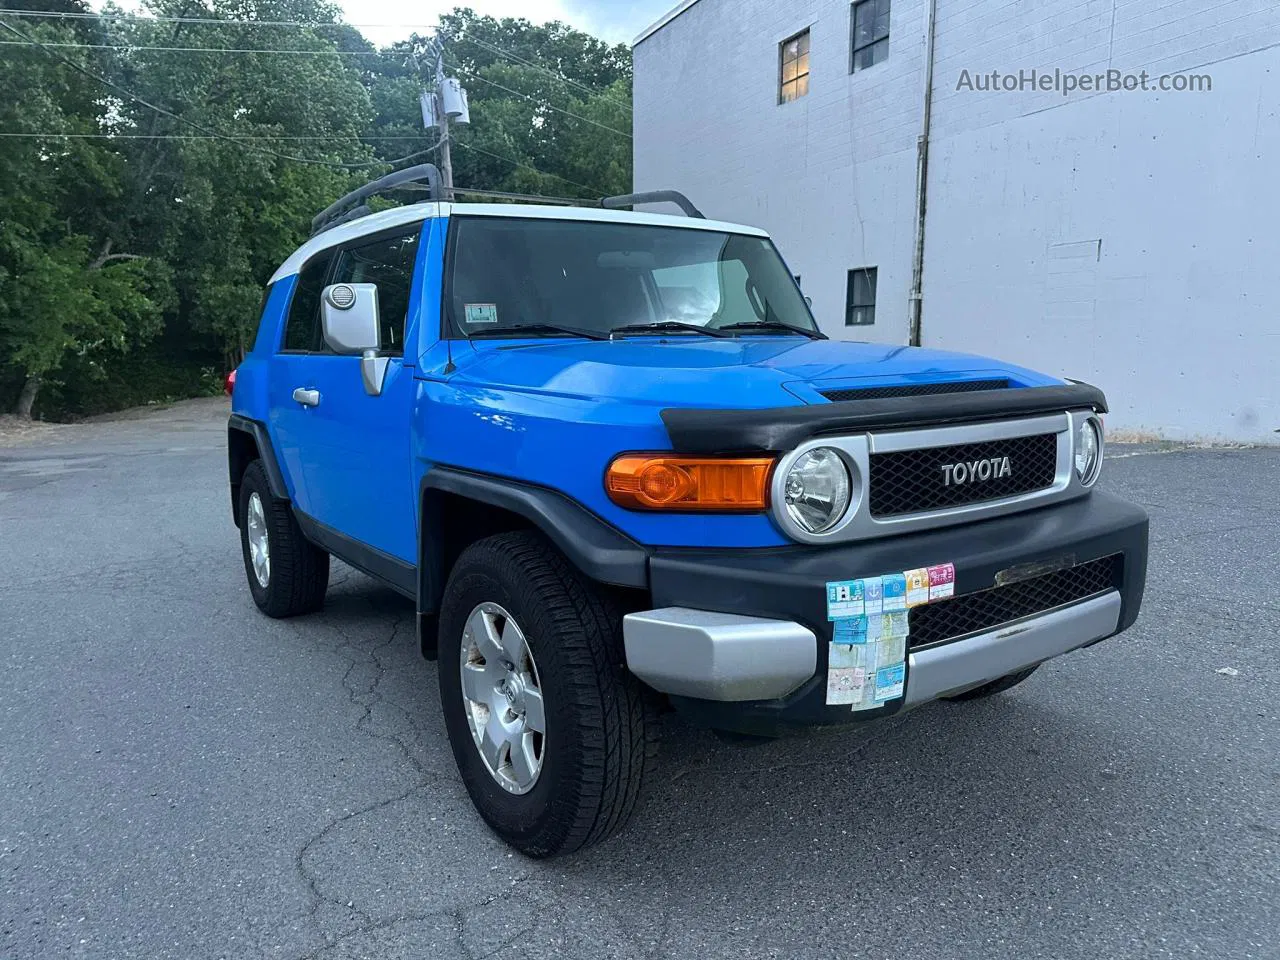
{"type": "Point", "coordinates": [367, 695]}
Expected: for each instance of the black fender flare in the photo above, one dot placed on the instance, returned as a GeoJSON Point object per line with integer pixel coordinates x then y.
{"type": "Point", "coordinates": [598, 549]}
{"type": "Point", "coordinates": [266, 453]}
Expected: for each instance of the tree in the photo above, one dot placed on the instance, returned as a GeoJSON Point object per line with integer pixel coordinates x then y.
{"type": "Point", "coordinates": [62, 287]}
{"type": "Point", "coordinates": [203, 152]}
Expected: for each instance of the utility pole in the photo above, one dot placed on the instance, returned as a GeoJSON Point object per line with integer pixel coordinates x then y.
{"type": "Point", "coordinates": [444, 102]}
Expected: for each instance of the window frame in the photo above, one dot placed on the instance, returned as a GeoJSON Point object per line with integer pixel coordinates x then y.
{"type": "Point", "coordinates": [334, 252]}
{"type": "Point", "coordinates": [782, 63]}
{"type": "Point", "coordinates": [450, 330]}
{"type": "Point", "coordinates": [873, 277]}
{"type": "Point", "coordinates": [854, 47]}
{"type": "Point", "coordinates": [415, 228]}
{"type": "Point", "coordinates": [330, 253]}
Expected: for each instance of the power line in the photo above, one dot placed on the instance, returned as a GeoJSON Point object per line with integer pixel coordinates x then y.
{"type": "Point", "coordinates": [214, 134]}
{"type": "Point", "coordinates": [130, 46]}
{"type": "Point", "coordinates": [212, 20]}
{"type": "Point", "coordinates": [192, 136]}
{"type": "Point", "coordinates": [518, 163]}
{"type": "Point", "coordinates": [345, 53]}
{"type": "Point", "coordinates": [524, 96]}
{"type": "Point", "coordinates": [537, 66]}
{"type": "Point", "coordinates": [128, 17]}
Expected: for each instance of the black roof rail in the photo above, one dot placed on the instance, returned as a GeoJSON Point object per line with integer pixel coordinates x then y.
{"type": "Point", "coordinates": [352, 206]}
{"type": "Point", "coordinates": [654, 196]}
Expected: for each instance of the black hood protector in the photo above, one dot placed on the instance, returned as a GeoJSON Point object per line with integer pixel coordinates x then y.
{"type": "Point", "coordinates": [775, 429]}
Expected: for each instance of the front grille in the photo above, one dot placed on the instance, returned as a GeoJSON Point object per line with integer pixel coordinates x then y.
{"type": "Point", "coordinates": [912, 481]}
{"type": "Point", "coordinates": [976, 612]}
{"type": "Point", "coordinates": [913, 390]}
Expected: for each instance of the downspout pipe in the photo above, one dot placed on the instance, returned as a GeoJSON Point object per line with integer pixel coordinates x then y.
{"type": "Point", "coordinates": [916, 301]}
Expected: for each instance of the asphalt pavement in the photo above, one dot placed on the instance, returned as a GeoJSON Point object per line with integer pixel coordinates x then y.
{"type": "Point", "coordinates": [183, 777]}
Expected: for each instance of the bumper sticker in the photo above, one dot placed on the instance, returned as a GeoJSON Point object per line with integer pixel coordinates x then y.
{"type": "Point", "coordinates": [917, 587]}
{"type": "Point", "coordinates": [844, 599]}
{"type": "Point", "coordinates": [893, 651]}
{"type": "Point", "coordinates": [895, 624]}
{"type": "Point", "coordinates": [942, 582]}
{"type": "Point", "coordinates": [842, 656]}
{"type": "Point", "coordinates": [845, 685]}
{"type": "Point", "coordinates": [870, 624]}
{"type": "Point", "coordinates": [850, 630]}
{"type": "Point", "coordinates": [890, 682]}
{"type": "Point", "coordinates": [894, 592]}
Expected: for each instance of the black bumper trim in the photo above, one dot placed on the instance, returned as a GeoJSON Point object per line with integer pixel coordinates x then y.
{"type": "Point", "coordinates": [781, 428]}
{"type": "Point", "coordinates": [788, 584]}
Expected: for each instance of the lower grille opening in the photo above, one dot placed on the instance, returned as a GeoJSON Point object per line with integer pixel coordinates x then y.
{"type": "Point", "coordinates": [976, 612]}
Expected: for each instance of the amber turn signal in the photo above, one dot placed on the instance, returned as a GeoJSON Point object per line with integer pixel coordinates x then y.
{"type": "Point", "coordinates": [661, 481]}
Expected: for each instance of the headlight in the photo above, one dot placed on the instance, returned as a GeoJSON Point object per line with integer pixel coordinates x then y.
{"type": "Point", "coordinates": [1089, 450]}
{"type": "Point", "coordinates": [816, 490]}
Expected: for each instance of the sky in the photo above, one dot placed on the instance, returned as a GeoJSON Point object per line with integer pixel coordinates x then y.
{"type": "Point", "coordinates": [617, 21]}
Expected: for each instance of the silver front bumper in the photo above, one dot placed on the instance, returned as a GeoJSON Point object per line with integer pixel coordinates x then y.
{"type": "Point", "coordinates": [718, 656]}
{"type": "Point", "coordinates": [721, 656]}
{"type": "Point", "coordinates": [963, 664]}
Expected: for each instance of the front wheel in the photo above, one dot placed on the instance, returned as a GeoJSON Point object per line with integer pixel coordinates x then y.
{"type": "Point", "coordinates": [547, 726]}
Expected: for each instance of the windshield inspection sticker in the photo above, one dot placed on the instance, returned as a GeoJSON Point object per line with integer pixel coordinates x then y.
{"type": "Point", "coordinates": [481, 312]}
{"type": "Point", "coordinates": [844, 599]}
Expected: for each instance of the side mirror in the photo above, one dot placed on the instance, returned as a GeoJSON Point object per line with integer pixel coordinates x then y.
{"type": "Point", "coordinates": [349, 317]}
{"type": "Point", "coordinates": [350, 322]}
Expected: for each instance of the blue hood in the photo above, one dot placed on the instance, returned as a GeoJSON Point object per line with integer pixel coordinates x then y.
{"type": "Point", "coordinates": [697, 371]}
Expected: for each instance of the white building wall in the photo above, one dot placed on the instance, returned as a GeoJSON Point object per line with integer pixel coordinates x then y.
{"type": "Point", "coordinates": [1124, 238]}
{"type": "Point", "coordinates": [831, 175]}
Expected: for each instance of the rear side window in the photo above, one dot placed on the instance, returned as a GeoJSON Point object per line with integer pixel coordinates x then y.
{"type": "Point", "coordinates": [388, 262]}
{"type": "Point", "coordinates": [302, 328]}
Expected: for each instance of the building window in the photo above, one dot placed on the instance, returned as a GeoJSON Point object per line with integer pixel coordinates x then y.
{"type": "Point", "coordinates": [860, 300]}
{"type": "Point", "coordinates": [794, 60]}
{"type": "Point", "coordinates": [870, 33]}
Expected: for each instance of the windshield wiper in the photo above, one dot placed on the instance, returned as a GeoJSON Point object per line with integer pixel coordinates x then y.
{"type": "Point", "coordinates": [664, 325]}
{"type": "Point", "coordinates": [774, 325]}
{"type": "Point", "coordinates": [535, 328]}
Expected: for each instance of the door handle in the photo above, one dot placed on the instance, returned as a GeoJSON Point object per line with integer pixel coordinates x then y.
{"type": "Point", "coordinates": [308, 398]}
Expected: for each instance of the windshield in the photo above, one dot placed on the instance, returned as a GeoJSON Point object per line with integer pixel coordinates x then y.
{"type": "Point", "coordinates": [599, 276]}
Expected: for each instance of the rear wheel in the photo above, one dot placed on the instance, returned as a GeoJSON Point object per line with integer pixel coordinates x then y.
{"type": "Point", "coordinates": [288, 574]}
{"type": "Point", "coordinates": [995, 686]}
{"type": "Point", "coordinates": [547, 726]}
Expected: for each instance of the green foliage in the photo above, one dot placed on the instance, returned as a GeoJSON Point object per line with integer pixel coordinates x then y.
{"type": "Point", "coordinates": [159, 223]}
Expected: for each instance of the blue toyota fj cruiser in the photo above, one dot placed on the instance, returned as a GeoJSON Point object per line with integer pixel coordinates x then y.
{"type": "Point", "coordinates": [616, 464]}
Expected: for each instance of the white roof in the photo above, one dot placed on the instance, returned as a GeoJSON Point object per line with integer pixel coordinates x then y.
{"type": "Point", "coordinates": [663, 20]}
{"type": "Point", "coordinates": [423, 211]}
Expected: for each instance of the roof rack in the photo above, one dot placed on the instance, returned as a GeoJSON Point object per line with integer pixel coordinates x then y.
{"type": "Point", "coordinates": [352, 205]}
{"type": "Point", "coordinates": [653, 196]}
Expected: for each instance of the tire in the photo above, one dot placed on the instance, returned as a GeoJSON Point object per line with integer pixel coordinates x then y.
{"type": "Point", "coordinates": [995, 686]}
{"type": "Point", "coordinates": [297, 573]}
{"type": "Point", "coordinates": [593, 745]}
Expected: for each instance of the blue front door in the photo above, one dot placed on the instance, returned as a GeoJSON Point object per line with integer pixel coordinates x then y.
{"type": "Point", "coordinates": [357, 462]}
